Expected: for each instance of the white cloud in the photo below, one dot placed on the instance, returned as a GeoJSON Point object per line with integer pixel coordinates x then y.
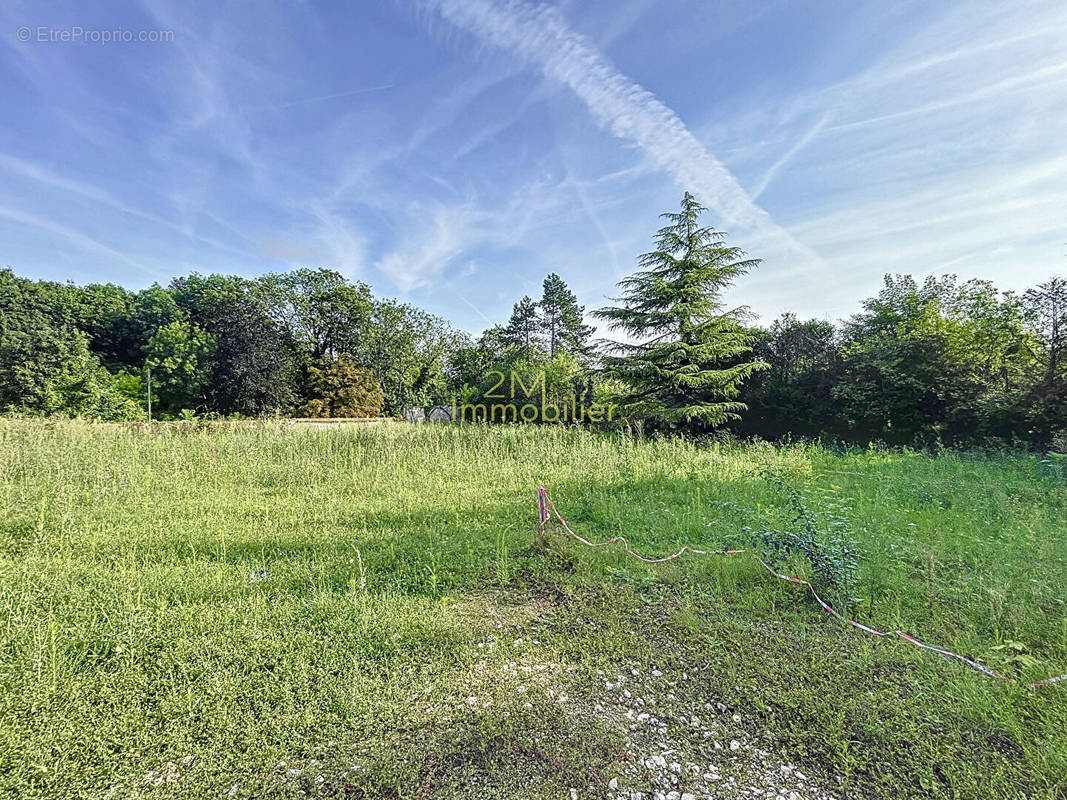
{"type": "Point", "coordinates": [344, 247]}
{"type": "Point", "coordinates": [451, 230]}
{"type": "Point", "coordinates": [538, 35]}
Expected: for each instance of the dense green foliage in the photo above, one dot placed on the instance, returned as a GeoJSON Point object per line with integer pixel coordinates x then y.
{"type": "Point", "coordinates": [46, 364]}
{"type": "Point", "coordinates": [689, 356]}
{"type": "Point", "coordinates": [341, 388]}
{"type": "Point", "coordinates": [216, 345]}
{"type": "Point", "coordinates": [937, 363]}
{"type": "Point", "coordinates": [549, 327]}
{"type": "Point", "coordinates": [541, 360]}
{"type": "Point", "coordinates": [262, 610]}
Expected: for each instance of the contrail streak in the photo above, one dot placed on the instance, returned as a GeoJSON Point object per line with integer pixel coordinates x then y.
{"type": "Point", "coordinates": [538, 35]}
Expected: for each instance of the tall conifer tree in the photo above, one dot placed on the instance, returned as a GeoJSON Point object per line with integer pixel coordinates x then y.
{"type": "Point", "coordinates": [689, 355]}
{"type": "Point", "coordinates": [524, 325]}
{"type": "Point", "coordinates": [561, 319]}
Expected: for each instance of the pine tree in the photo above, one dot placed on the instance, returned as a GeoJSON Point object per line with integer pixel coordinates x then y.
{"type": "Point", "coordinates": [691, 355]}
{"type": "Point", "coordinates": [525, 323]}
{"type": "Point", "coordinates": [561, 319]}
{"type": "Point", "coordinates": [1047, 305]}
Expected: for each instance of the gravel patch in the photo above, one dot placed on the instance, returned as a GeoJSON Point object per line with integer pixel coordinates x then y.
{"type": "Point", "coordinates": [680, 750]}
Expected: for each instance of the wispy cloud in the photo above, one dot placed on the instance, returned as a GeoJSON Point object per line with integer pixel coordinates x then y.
{"type": "Point", "coordinates": [345, 247]}
{"type": "Point", "coordinates": [1015, 83]}
{"type": "Point", "coordinates": [427, 253]}
{"type": "Point", "coordinates": [788, 155]}
{"type": "Point", "coordinates": [336, 96]}
{"type": "Point", "coordinates": [538, 35]}
{"type": "Point", "coordinates": [451, 230]}
{"type": "Point", "coordinates": [302, 134]}
{"type": "Point", "coordinates": [75, 238]}
{"type": "Point", "coordinates": [39, 174]}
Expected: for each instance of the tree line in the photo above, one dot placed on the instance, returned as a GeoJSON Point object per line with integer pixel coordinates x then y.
{"type": "Point", "coordinates": [301, 342]}
{"type": "Point", "coordinates": [937, 361]}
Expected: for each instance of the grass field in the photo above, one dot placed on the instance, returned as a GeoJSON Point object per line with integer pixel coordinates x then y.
{"type": "Point", "coordinates": [262, 611]}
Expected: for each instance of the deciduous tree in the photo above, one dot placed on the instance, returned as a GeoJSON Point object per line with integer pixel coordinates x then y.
{"type": "Point", "coordinates": [181, 355]}
{"type": "Point", "coordinates": [252, 370]}
{"type": "Point", "coordinates": [323, 314]}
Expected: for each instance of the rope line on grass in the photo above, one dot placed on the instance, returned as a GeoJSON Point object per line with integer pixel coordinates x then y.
{"type": "Point", "coordinates": [546, 508]}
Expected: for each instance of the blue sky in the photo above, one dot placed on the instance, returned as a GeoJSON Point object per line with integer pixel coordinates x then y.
{"type": "Point", "coordinates": [452, 152]}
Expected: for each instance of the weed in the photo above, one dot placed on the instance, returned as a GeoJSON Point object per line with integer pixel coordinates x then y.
{"type": "Point", "coordinates": [824, 541]}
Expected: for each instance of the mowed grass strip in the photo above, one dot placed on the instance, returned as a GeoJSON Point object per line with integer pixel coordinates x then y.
{"type": "Point", "coordinates": [262, 610]}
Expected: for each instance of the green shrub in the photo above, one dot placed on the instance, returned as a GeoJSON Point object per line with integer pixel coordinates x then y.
{"type": "Point", "coordinates": [342, 388]}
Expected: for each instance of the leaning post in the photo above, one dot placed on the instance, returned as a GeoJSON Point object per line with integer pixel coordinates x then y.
{"type": "Point", "coordinates": [542, 517]}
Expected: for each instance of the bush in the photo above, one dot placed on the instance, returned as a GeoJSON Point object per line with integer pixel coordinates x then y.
{"type": "Point", "coordinates": [827, 548]}
{"type": "Point", "coordinates": [342, 388]}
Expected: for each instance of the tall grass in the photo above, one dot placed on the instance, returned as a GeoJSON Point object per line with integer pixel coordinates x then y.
{"type": "Point", "coordinates": [185, 608]}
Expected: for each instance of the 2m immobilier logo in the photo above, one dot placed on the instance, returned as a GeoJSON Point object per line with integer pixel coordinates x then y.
{"type": "Point", "coordinates": [496, 406]}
